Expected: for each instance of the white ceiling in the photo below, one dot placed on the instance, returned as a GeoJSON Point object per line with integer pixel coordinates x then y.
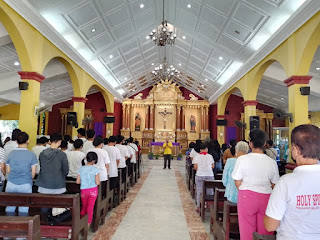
{"type": "Point", "coordinates": [121, 27]}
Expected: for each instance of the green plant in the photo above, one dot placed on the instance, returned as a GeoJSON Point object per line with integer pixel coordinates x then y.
{"type": "Point", "coordinates": [157, 156]}
{"type": "Point", "coordinates": [179, 155]}
{"type": "Point", "coordinates": [150, 154]}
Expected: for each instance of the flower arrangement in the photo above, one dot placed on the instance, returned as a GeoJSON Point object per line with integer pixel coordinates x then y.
{"type": "Point", "coordinates": [150, 155]}
{"type": "Point", "coordinates": [179, 156]}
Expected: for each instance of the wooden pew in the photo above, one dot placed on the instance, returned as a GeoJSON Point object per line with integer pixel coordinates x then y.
{"type": "Point", "coordinates": [193, 182]}
{"type": "Point", "coordinates": [68, 229]}
{"type": "Point", "coordinates": [205, 198]}
{"type": "Point", "coordinates": [121, 189]}
{"type": "Point", "coordinates": [229, 227]}
{"type": "Point", "coordinates": [257, 236]}
{"type": "Point", "coordinates": [20, 227]}
{"type": "Point", "coordinates": [100, 208]}
{"type": "Point", "coordinates": [109, 197]}
{"type": "Point", "coordinates": [216, 211]}
{"type": "Point", "coordinates": [127, 180]}
{"type": "Point", "coordinates": [218, 176]}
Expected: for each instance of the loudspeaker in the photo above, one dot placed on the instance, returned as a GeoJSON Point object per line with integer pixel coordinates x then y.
{"type": "Point", "coordinates": [254, 122]}
{"type": "Point", "coordinates": [109, 119]}
{"type": "Point", "coordinates": [23, 85]}
{"type": "Point", "coordinates": [72, 119]}
{"type": "Point", "coordinates": [222, 122]}
{"type": "Point", "coordinates": [305, 91]}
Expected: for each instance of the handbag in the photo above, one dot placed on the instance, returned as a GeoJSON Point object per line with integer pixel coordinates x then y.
{"type": "Point", "coordinates": [59, 215]}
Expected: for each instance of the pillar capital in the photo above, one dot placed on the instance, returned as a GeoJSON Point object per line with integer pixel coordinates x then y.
{"type": "Point", "coordinates": [110, 114]}
{"type": "Point", "coordinates": [31, 76]}
{"type": "Point", "coordinates": [297, 80]}
{"type": "Point", "coordinates": [79, 99]}
{"type": "Point", "coordinates": [250, 103]}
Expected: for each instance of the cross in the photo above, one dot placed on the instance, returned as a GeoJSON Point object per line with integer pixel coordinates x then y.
{"type": "Point", "coordinates": [164, 114]}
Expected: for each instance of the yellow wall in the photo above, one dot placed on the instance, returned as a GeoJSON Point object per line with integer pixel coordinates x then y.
{"type": "Point", "coordinates": [10, 112]}
{"type": "Point", "coordinates": [315, 118]}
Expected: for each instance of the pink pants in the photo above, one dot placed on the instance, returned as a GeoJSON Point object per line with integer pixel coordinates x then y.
{"type": "Point", "coordinates": [88, 199]}
{"type": "Point", "coordinates": [251, 210]}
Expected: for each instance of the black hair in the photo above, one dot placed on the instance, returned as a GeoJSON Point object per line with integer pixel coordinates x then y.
{"type": "Point", "coordinates": [15, 134]}
{"type": "Point", "coordinates": [216, 147]}
{"type": "Point", "coordinates": [78, 143]}
{"type": "Point", "coordinates": [202, 146]}
{"type": "Point", "coordinates": [97, 141]}
{"type": "Point", "coordinates": [22, 138]}
{"type": "Point", "coordinates": [92, 156]}
{"type": "Point", "coordinates": [130, 139]}
{"type": "Point", "coordinates": [64, 144]}
{"type": "Point", "coordinates": [197, 147]}
{"type": "Point", "coordinates": [67, 138]}
{"type": "Point", "coordinates": [105, 141]}
{"type": "Point", "coordinates": [192, 145]}
{"type": "Point", "coordinates": [112, 139]}
{"type": "Point", "coordinates": [258, 138]}
{"type": "Point", "coordinates": [233, 144]}
{"type": "Point", "coordinates": [307, 138]}
{"type": "Point", "coordinates": [43, 140]}
{"type": "Point", "coordinates": [1, 144]}
{"type": "Point", "coordinates": [270, 142]}
{"type": "Point", "coordinates": [224, 147]}
{"type": "Point", "coordinates": [136, 142]}
{"type": "Point", "coordinates": [119, 138]}
{"type": "Point", "coordinates": [126, 142]}
{"type": "Point", "coordinates": [82, 132]}
{"type": "Point", "coordinates": [38, 141]}
{"type": "Point", "coordinates": [55, 137]}
{"type": "Point", "coordinates": [90, 133]}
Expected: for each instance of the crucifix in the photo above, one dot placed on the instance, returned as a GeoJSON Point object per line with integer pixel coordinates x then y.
{"type": "Point", "coordinates": [164, 114]}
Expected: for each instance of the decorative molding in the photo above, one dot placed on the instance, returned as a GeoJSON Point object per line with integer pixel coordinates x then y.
{"type": "Point", "coordinates": [31, 76]}
{"type": "Point", "coordinates": [79, 99]}
{"type": "Point", "coordinates": [297, 80]}
{"type": "Point", "coordinates": [110, 114]}
{"type": "Point", "coordinates": [31, 15]}
{"type": "Point", "coordinates": [250, 103]}
{"type": "Point", "coordinates": [298, 18]}
{"type": "Point", "coordinates": [221, 116]}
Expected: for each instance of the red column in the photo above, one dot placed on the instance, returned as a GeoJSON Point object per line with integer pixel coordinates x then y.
{"type": "Point", "coordinates": [147, 118]}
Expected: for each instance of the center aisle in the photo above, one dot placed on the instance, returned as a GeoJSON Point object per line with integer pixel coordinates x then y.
{"type": "Point", "coordinates": [156, 212]}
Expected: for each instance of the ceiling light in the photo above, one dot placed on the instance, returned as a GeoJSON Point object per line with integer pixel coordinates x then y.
{"type": "Point", "coordinates": [125, 78]}
{"type": "Point", "coordinates": [206, 79]}
{"type": "Point", "coordinates": [111, 56]}
{"type": "Point", "coordinates": [202, 85]}
{"type": "Point", "coordinates": [179, 64]}
{"type": "Point", "coordinates": [51, 93]}
{"type": "Point", "coordinates": [165, 71]}
{"type": "Point", "coordinates": [93, 30]}
{"type": "Point", "coordinates": [282, 98]}
{"type": "Point", "coordinates": [152, 64]}
{"type": "Point", "coordinates": [318, 68]}
{"type": "Point", "coordinates": [16, 63]}
{"type": "Point", "coordinates": [141, 5]}
{"type": "Point", "coordinates": [130, 84]}
{"type": "Point", "coordinates": [189, 5]}
{"type": "Point", "coordinates": [220, 58]}
{"type": "Point", "coordinates": [164, 33]}
{"type": "Point", "coordinates": [183, 37]}
{"type": "Point", "coordinates": [198, 90]}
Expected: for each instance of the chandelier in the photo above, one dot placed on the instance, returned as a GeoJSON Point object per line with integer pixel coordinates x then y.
{"type": "Point", "coordinates": [164, 34]}
{"type": "Point", "coordinates": [165, 72]}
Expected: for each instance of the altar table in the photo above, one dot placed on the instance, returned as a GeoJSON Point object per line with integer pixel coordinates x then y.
{"type": "Point", "coordinates": [156, 148]}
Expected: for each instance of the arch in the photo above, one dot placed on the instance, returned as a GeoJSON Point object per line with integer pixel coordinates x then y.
{"type": "Point", "coordinates": [309, 51]}
{"type": "Point", "coordinates": [70, 69]}
{"type": "Point", "coordinates": [108, 98]}
{"type": "Point", "coordinates": [16, 37]}
{"type": "Point", "coordinates": [223, 100]}
{"type": "Point", "coordinates": [258, 75]}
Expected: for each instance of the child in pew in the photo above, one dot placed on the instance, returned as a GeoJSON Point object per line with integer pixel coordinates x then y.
{"type": "Point", "coordinates": [88, 178]}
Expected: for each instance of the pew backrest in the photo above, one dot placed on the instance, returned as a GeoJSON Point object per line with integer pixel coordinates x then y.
{"type": "Point", "coordinates": [228, 210]}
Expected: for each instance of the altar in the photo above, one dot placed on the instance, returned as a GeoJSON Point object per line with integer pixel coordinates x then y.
{"type": "Point", "coordinates": [156, 148]}
{"type": "Point", "coordinates": [165, 114]}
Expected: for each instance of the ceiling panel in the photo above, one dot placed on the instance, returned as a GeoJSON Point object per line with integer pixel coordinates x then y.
{"type": "Point", "coordinates": [83, 14]}
{"type": "Point", "coordinates": [248, 16]}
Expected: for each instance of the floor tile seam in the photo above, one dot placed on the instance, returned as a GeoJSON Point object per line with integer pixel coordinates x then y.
{"type": "Point", "coordinates": [194, 223]}
{"type": "Point", "coordinates": [117, 215]}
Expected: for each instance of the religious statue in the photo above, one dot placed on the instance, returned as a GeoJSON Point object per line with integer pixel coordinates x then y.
{"type": "Point", "coordinates": [192, 123]}
{"type": "Point", "coordinates": [137, 122]}
{"type": "Point", "coordinates": [164, 114]}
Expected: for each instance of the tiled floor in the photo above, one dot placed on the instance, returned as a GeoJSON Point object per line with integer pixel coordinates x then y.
{"type": "Point", "coordinates": [158, 207]}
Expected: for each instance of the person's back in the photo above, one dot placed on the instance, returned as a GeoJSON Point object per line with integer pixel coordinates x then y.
{"type": "Point", "coordinates": [75, 162]}
{"type": "Point", "coordinates": [114, 154]}
{"type": "Point", "coordinates": [231, 191]}
{"type": "Point", "coordinates": [272, 153]}
{"type": "Point", "coordinates": [257, 172]}
{"type": "Point", "coordinates": [54, 168]}
{"type": "Point", "coordinates": [204, 163]}
{"type": "Point", "coordinates": [12, 144]}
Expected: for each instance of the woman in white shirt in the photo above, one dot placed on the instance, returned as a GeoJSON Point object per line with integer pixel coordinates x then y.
{"type": "Point", "coordinates": [204, 165]}
{"type": "Point", "coordinates": [255, 175]}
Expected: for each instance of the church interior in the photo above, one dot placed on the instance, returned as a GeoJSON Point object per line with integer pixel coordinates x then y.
{"type": "Point", "coordinates": [158, 71]}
